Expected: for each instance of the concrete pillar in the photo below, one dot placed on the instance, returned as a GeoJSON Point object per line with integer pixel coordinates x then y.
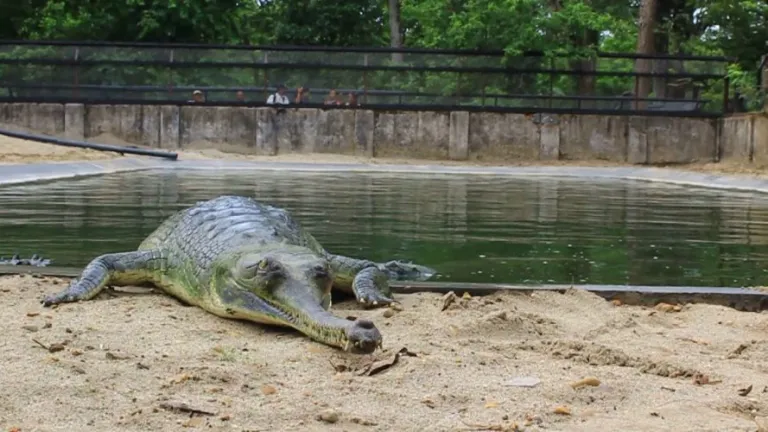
{"type": "Point", "coordinates": [458, 136]}
{"type": "Point", "coordinates": [364, 126]}
{"type": "Point", "coordinates": [549, 141]}
{"type": "Point", "coordinates": [74, 121]}
{"type": "Point", "coordinates": [760, 139]}
{"type": "Point", "coordinates": [637, 145]}
{"type": "Point", "coordinates": [150, 125]}
{"type": "Point", "coordinates": [266, 136]}
{"type": "Point", "coordinates": [169, 127]}
{"type": "Point", "coordinates": [383, 134]}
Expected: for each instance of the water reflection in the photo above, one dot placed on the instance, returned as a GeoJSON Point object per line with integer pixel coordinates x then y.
{"type": "Point", "coordinates": [471, 228]}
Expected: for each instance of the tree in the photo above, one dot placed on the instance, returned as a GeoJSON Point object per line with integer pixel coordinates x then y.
{"type": "Point", "coordinates": [395, 33]}
{"type": "Point", "coordinates": [645, 45]}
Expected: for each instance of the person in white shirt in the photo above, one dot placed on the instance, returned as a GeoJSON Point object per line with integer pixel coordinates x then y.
{"type": "Point", "coordinates": [279, 97]}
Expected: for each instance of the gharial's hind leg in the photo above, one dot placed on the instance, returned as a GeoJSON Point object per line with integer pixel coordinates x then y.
{"type": "Point", "coordinates": [126, 268]}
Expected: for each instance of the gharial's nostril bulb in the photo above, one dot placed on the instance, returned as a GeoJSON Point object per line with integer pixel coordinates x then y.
{"type": "Point", "coordinates": [364, 323]}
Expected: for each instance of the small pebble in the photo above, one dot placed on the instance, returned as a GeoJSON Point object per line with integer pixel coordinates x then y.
{"type": "Point", "coordinates": [588, 381]}
{"type": "Point", "coordinates": [524, 382]}
{"type": "Point", "coordinates": [56, 347]}
{"type": "Point", "coordinates": [328, 416]}
{"type": "Point", "coordinates": [562, 410]}
{"type": "Point", "coordinates": [762, 423]}
{"type": "Point", "coordinates": [30, 328]}
{"type": "Point", "coordinates": [389, 313]}
{"type": "Point", "coordinates": [115, 356]}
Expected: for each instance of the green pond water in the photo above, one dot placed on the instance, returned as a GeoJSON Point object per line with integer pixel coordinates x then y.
{"type": "Point", "coordinates": [470, 228]}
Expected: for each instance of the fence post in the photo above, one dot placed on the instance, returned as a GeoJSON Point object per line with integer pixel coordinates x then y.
{"type": "Point", "coordinates": [170, 72]}
{"type": "Point", "coordinates": [77, 73]}
{"type": "Point", "coordinates": [266, 77]}
{"type": "Point", "coordinates": [365, 79]}
{"type": "Point", "coordinates": [726, 93]}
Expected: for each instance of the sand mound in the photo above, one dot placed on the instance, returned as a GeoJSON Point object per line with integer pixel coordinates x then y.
{"type": "Point", "coordinates": [121, 362]}
{"type": "Point", "coordinates": [13, 150]}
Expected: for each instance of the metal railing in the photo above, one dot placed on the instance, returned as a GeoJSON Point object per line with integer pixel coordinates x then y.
{"type": "Point", "coordinates": [381, 78]}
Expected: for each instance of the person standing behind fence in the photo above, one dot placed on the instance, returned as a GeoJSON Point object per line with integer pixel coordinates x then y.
{"type": "Point", "coordinates": [302, 95]}
{"type": "Point", "coordinates": [197, 97]}
{"type": "Point", "coordinates": [279, 97]}
{"type": "Point", "coordinates": [332, 98]}
{"type": "Point", "coordinates": [352, 101]}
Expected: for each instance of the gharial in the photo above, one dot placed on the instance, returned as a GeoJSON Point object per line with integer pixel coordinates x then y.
{"type": "Point", "coordinates": [238, 258]}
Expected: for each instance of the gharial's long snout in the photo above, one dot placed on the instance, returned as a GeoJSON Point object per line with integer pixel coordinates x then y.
{"type": "Point", "coordinates": [309, 317]}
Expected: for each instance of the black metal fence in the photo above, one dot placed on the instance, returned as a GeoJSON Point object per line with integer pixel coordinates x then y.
{"type": "Point", "coordinates": [379, 78]}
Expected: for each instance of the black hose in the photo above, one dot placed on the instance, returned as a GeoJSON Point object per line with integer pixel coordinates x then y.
{"type": "Point", "coordinates": [93, 146]}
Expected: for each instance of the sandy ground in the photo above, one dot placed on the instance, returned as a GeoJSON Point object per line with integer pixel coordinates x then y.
{"type": "Point", "coordinates": [13, 150]}
{"type": "Point", "coordinates": [121, 362]}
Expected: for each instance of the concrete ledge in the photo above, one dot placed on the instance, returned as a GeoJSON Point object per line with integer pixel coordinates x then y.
{"type": "Point", "coordinates": [26, 173]}
{"type": "Point", "coordinates": [30, 173]}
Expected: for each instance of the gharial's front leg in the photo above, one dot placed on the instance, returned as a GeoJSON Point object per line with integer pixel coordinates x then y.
{"type": "Point", "coordinates": [364, 278]}
{"type": "Point", "coordinates": [126, 268]}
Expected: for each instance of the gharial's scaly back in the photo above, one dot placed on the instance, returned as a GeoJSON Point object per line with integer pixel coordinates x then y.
{"type": "Point", "coordinates": [201, 232]}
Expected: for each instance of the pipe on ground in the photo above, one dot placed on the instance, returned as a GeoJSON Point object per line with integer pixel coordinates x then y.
{"type": "Point", "coordinates": [93, 146]}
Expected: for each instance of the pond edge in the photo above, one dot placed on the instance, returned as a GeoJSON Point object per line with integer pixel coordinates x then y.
{"type": "Point", "coordinates": [14, 174]}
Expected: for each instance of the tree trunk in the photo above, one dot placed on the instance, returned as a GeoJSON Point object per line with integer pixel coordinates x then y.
{"type": "Point", "coordinates": [585, 84]}
{"type": "Point", "coordinates": [661, 46]}
{"type": "Point", "coordinates": [645, 45]}
{"type": "Point", "coordinates": [395, 33]}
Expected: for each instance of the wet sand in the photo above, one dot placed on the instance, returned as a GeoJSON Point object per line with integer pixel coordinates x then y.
{"type": "Point", "coordinates": [119, 361]}
{"type": "Point", "coordinates": [16, 151]}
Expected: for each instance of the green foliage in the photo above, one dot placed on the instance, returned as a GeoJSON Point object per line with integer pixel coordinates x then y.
{"type": "Point", "coordinates": [573, 28]}
{"type": "Point", "coordinates": [319, 22]}
{"type": "Point", "coordinates": [134, 20]}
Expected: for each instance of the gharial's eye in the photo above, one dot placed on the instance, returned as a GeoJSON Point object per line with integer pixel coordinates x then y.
{"type": "Point", "coordinates": [263, 264]}
{"type": "Point", "coordinates": [252, 266]}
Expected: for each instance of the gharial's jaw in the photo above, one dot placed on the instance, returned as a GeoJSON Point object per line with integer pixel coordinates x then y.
{"type": "Point", "coordinates": [358, 337]}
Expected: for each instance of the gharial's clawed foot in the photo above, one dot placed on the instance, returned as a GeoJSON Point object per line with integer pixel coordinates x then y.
{"type": "Point", "coordinates": [375, 299]}
{"type": "Point", "coordinates": [35, 261]}
{"type": "Point", "coordinates": [57, 299]}
{"type": "Point", "coordinates": [66, 296]}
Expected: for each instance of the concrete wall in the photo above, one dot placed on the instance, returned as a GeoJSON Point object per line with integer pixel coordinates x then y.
{"type": "Point", "coordinates": [458, 135]}
{"type": "Point", "coordinates": [744, 138]}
